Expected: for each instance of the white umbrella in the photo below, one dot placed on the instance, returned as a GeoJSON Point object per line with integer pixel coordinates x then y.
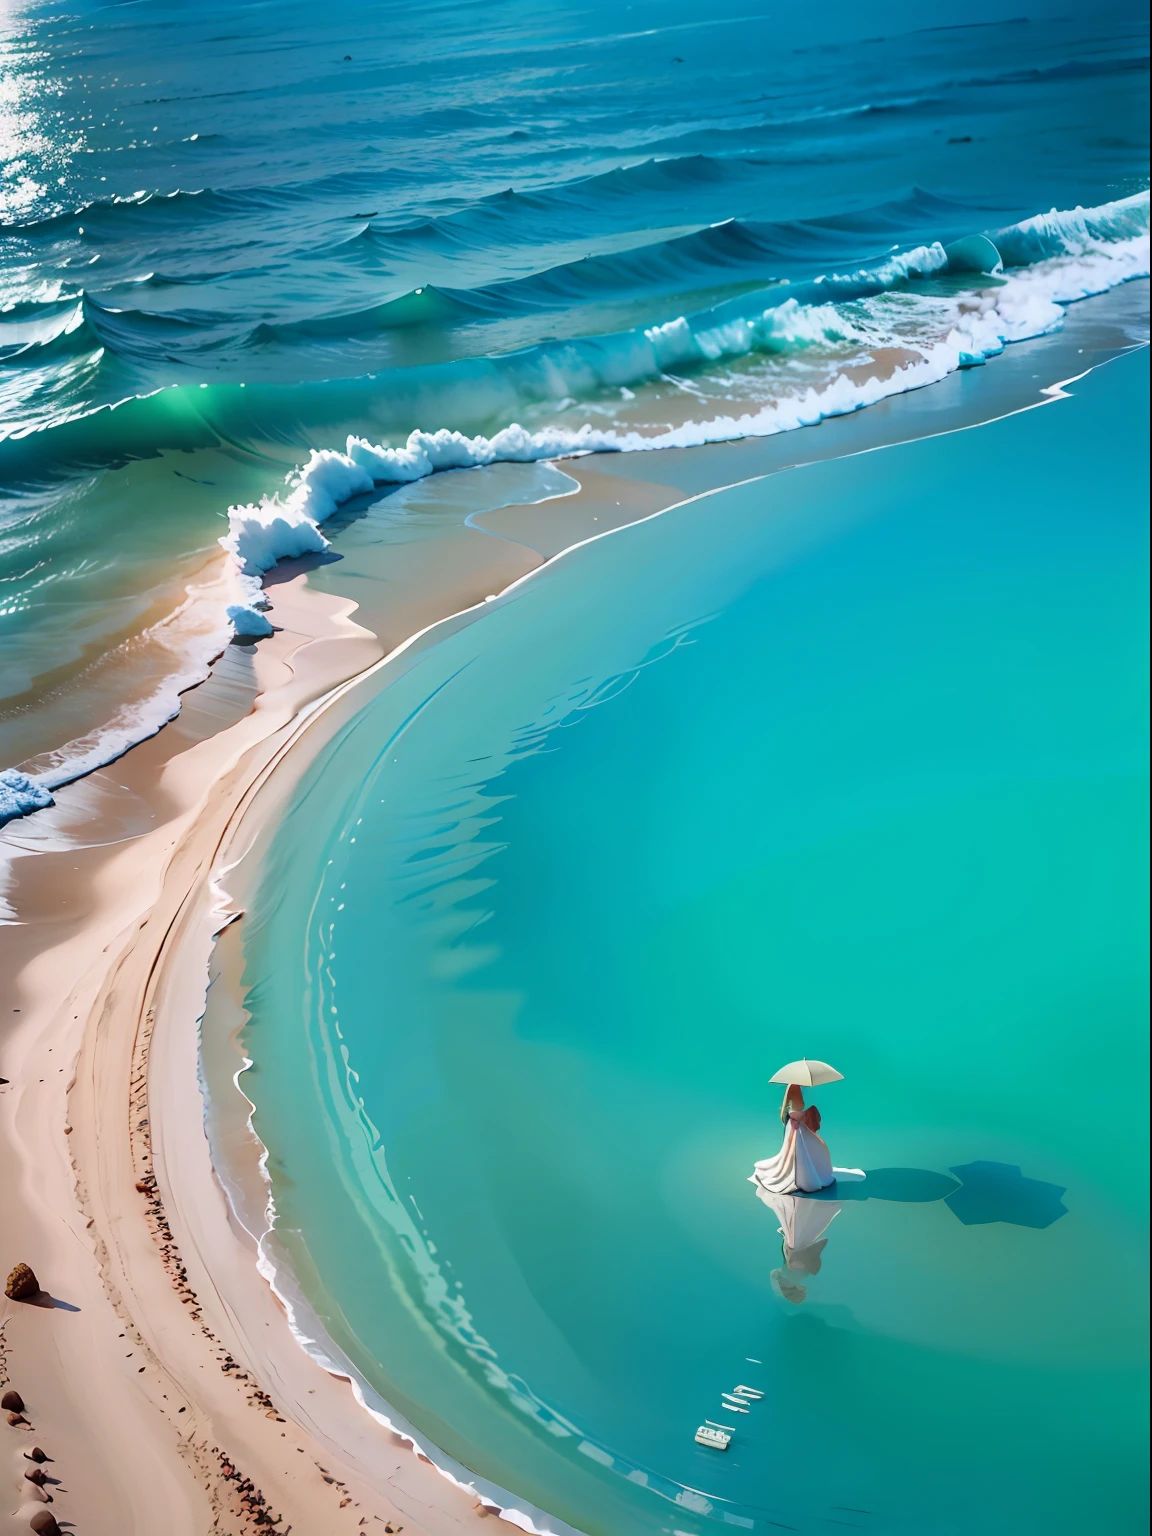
{"type": "Point", "coordinates": [807, 1074]}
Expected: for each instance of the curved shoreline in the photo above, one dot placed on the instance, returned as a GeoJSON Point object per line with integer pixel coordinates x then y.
{"type": "Point", "coordinates": [103, 1022]}
{"type": "Point", "coordinates": [121, 995]}
{"type": "Point", "coordinates": [1053, 260]}
{"type": "Point", "coordinates": [311, 1337]}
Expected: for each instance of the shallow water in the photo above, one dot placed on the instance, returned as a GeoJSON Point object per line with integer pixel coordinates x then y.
{"type": "Point", "coordinates": [252, 245]}
{"type": "Point", "coordinates": [844, 762]}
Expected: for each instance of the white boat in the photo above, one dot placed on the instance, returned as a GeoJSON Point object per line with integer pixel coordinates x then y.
{"type": "Point", "coordinates": [716, 1436]}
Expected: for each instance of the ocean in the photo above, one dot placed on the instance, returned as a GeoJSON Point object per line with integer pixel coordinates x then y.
{"type": "Point", "coordinates": [846, 762]}
{"type": "Point", "coordinates": [234, 235]}
{"type": "Point", "coordinates": [837, 753]}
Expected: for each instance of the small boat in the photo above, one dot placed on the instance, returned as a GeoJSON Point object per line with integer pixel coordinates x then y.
{"type": "Point", "coordinates": [752, 1393]}
{"type": "Point", "coordinates": [717, 1437]}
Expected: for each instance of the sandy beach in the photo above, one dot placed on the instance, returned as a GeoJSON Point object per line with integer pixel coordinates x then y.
{"type": "Point", "coordinates": [157, 1368]}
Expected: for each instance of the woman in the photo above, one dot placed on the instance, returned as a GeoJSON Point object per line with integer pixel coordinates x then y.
{"type": "Point", "coordinates": [803, 1164]}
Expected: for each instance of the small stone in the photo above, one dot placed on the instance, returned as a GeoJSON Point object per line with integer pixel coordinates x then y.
{"type": "Point", "coordinates": [143, 1187]}
{"type": "Point", "coordinates": [16, 1418]}
{"type": "Point", "coordinates": [36, 1454]}
{"type": "Point", "coordinates": [36, 1475]}
{"type": "Point", "coordinates": [22, 1284]}
{"type": "Point", "coordinates": [44, 1523]}
{"type": "Point", "coordinates": [12, 1401]}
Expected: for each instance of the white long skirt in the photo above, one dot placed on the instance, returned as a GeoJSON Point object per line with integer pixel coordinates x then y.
{"type": "Point", "coordinates": [803, 1224]}
{"type": "Point", "coordinates": [802, 1165]}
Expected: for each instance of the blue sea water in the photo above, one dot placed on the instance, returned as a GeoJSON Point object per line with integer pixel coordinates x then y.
{"type": "Point", "coordinates": [846, 762]}
{"type": "Point", "coordinates": [235, 233]}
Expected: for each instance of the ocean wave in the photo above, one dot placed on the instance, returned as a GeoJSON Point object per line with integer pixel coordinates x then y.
{"type": "Point", "coordinates": [85, 325]}
{"type": "Point", "coordinates": [775, 135]}
{"type": "Point", "coordinates": [194, 635]}
{"type": "Point", "coordinates": [934, 328]}
{"type": "Point", "coordinates": [572, 210]}
{"type": "Point", "coordinates": [122, 215]}
{"type": "Point", "coordinates": [144, 334]}
{"type": "Point", "coordinates": [482, 393]}
{"type": "Point", "coordinates": [126, 217]}
{"type": "Point", "coordinates": [21, 795]}
{"type": "Point", "coordinates": [26, 328]}
{"type": "Point", "coordinates": [562, 211]}
{"type": "Point", "coordinates": [1091, 250]}
{"type": "Point", "coordinates": [1072, 69]}
{"type": "Point", "coordinates": [1073, 232]}
{"type": "Point", "coordinates": [143, 349]}
{"type": "Point", "coordinates": [732, 252]}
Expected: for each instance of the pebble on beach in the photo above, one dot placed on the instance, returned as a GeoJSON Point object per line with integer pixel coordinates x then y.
{"type": "Point", "coordinates": [22, 1284]}
{"type": "Point", "coordinates": [12, 1401]}
{"type": "Point", "coordinates": [36, 1454]}
{"type": "Point", "coordinates": [36, 1475]}
{"type": "Point", "coordinates": [44, 1523]}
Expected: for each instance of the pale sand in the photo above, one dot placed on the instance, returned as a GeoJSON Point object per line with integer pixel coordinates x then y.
{"type": "Point", "coordinates": [123, 1377]}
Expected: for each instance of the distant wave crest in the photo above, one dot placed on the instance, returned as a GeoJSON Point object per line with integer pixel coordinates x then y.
{"type": "Point", "coordinates": [1077, 253]}
{"type": "Point", "coordinates": [1048, 261]}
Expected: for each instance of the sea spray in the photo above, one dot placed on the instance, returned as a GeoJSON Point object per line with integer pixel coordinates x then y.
{"type": "Point", "coordinates": [976, 325]}
{"type": "Point", "coordinates": [1074, 254]}
{"type": "Point", "coordinates": [20, 795]}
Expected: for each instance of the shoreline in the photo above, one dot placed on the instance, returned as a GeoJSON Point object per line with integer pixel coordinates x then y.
{"type": "Point", "coordinates": [1023, 296]}
{"type": "Point", "coordinates": [114, 988]}
{"type": "Point", "coordinates": [311, 1338]}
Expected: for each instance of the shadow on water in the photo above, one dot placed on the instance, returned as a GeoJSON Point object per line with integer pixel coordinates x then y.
{"type": "Point", "coordinates": [350, 512]}
{"type": "Point", "coordinates": [1000, 1192]}
{"type": "Point", "coordinates": [975, 1193]}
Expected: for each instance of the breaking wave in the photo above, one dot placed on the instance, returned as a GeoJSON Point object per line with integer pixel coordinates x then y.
{"type": "Point", "coordinates": [934, 308]}
{"type": "Point", "coordinates": [1076, 254]}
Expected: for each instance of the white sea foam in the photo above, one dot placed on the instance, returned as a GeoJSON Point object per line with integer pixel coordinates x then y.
{"type": "Point", "coordinates": [1026, 303]}
{"type": "Point", "coordinates": [20, 795]}
{"type": "Point", "coordinates": [1075, 253]}
{"type": "Point", "coordinates": [1074, 231]}
{"type": "Point", "coordinates": [263, 533]}
{"type": "Point", "coordinates": [136, 721]}
{"type": "Point", "coordinates": [194, 635]}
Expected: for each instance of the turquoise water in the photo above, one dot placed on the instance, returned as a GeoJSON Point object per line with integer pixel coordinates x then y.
{"type": "Point", "coordinates": [847, 762]}
{"type": "Point", "coordinates": [254, 229]}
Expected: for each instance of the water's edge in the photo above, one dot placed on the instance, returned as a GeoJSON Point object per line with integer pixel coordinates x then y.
{"type": "Point", "coordinates": [218, 1028]}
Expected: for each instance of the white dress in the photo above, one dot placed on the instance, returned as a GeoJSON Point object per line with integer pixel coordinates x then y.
{"type": "Point", "coordinates": [802, 1165]}
{"type": "Point", "coordinates": [803, 1224]}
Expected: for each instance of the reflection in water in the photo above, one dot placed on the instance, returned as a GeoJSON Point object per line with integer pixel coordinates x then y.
{"type": "Point", "coordinates": [803, 1223]}
{"type": "Point", "coordinates": [976, 1194]}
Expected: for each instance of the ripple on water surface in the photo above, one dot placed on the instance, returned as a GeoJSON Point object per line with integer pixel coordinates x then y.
{"type": "Point", "coordinates": [841, 762]}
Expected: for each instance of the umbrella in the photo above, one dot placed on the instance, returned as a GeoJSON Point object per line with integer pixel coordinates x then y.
{"type": "Point", "coordinates": [807, 1074]}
